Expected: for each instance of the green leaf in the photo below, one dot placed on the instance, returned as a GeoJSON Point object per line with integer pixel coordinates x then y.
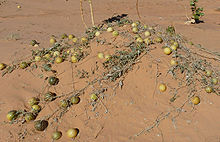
{"type": "Point", "coordinates": [192, 3]}
{"type": "Point", "coordinates": [196, 17]}
{"type": "Point", "coordinates": [170, 29]}
{"type": "Point", "coordinates": [197, 13]}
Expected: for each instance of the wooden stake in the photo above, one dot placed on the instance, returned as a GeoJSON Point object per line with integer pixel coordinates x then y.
{"type": "Point", "coordinates": [82, 16]}
{"type": "Point", "coordinates": [91, 11]}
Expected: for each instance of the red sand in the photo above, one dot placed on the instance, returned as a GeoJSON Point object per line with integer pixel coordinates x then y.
{"type": "Point", "coordinates": [134, 107]}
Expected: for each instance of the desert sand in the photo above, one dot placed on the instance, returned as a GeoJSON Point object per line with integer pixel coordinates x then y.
{"type": "Point", "coordinates": [133, 107]}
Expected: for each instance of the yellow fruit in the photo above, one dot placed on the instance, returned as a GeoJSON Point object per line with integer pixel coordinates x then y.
{"type": "Point", "coordinates": [134, 24]}
{"type": "Point", "coordinates": [97, 33]}
{"type": "Point", "coordinates": [107, 57]}
{"type": "Point", "coordinates": [72, 133]}
{"type": "Point", "coordinates": [208, 89]}
{"type": "Point", "coordinates": [158, 40]}
{"type": "Point", "coordinates": [84, 40]}
{"type": "Point", "coordinates": [47, 56]}
{"type": "Point", "coordinates": [75, 39]}
{"type": "Point", "coordinates": [139, 40]}
{"type": "Point", "coordinates": [150, 28]}
{"type": "Point", "coordinates": [176, 44]}
{"type": "Point", "coordinates": [71, 36]}
{"type": "Point", "coordinates": [173, 47]}
{"type": "Point", "coordinates": [23, 65]}
{"type": "Point", "coordinates": [214, 81]}
{"type": "Point", "coordinates": [52, 41]}
{"type": "Point", "coordinates": [173, 62]}
{"type": "Point", "coordinates": [36, 108]}
{"type": "Point", "coordinates": [37, 58]}
{"type": "Point", "coordinates": [29, 117]}
{"type": "Point", "coordinates": [162, 87]}
{"type": "Point", "coordinates": [115, 33]}
{"type": "Point", "coordinates": [56, 135]}
{"type": "Point", "coordinates": [136, 36]}
{"type": "Point", "coordinates": [147, 33]}
{"type": "Point", "coordinates": [56, 53]}
{"type": "Point", "coordinates": [12, 115]}
{"type": "Point", "coordinates": [100, 55]}
{"type": "Point", "coordinates": [75, 100]}
{"type": "Point", "coordinates": [147, 41]}
{"type": "Point", "coordinates": [49, 96]}
{"type": "Point", "coordinates": [172, 41]}
{"type": "Point", "coordinates": [59, 60]}
{"type": "Point", "coordinates": [75, 53]}
{"type": "Point", "coordinates": [135, 30]}
{"type": "Point", "coordinates": [208, 73]}
{"type": "Point", "coordinates": [94, 97]}
{"type": "Point", "coordinates": [167, 51]}
{"type": "Point", "coordinates": [109, 29]}
{"type": "Point", "coordinates": [33, 101]}
{"type": "Point", "coordinates": [18, 6]}
{"type": "Point", "coordinates": [2, 66]}
{"type": "Point", "coordinates": [64, 103]}
{"type": "Point", "coordinates": [195, 100]}
{"type": "Point", "coordinates": [145, 26]}
{"type": "Point", "coordinates": [74, 59]}
{"type": "Point", "coordinates": [63, 36]}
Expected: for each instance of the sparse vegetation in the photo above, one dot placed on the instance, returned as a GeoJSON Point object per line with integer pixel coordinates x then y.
{"type": "Point", "coordinates": [185, 63]}
{"type": "Point", "coordinates": [197, 12]}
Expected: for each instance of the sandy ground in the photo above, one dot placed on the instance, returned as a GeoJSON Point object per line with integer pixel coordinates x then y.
{"type": "Point", "coordinates": [134, 107]}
